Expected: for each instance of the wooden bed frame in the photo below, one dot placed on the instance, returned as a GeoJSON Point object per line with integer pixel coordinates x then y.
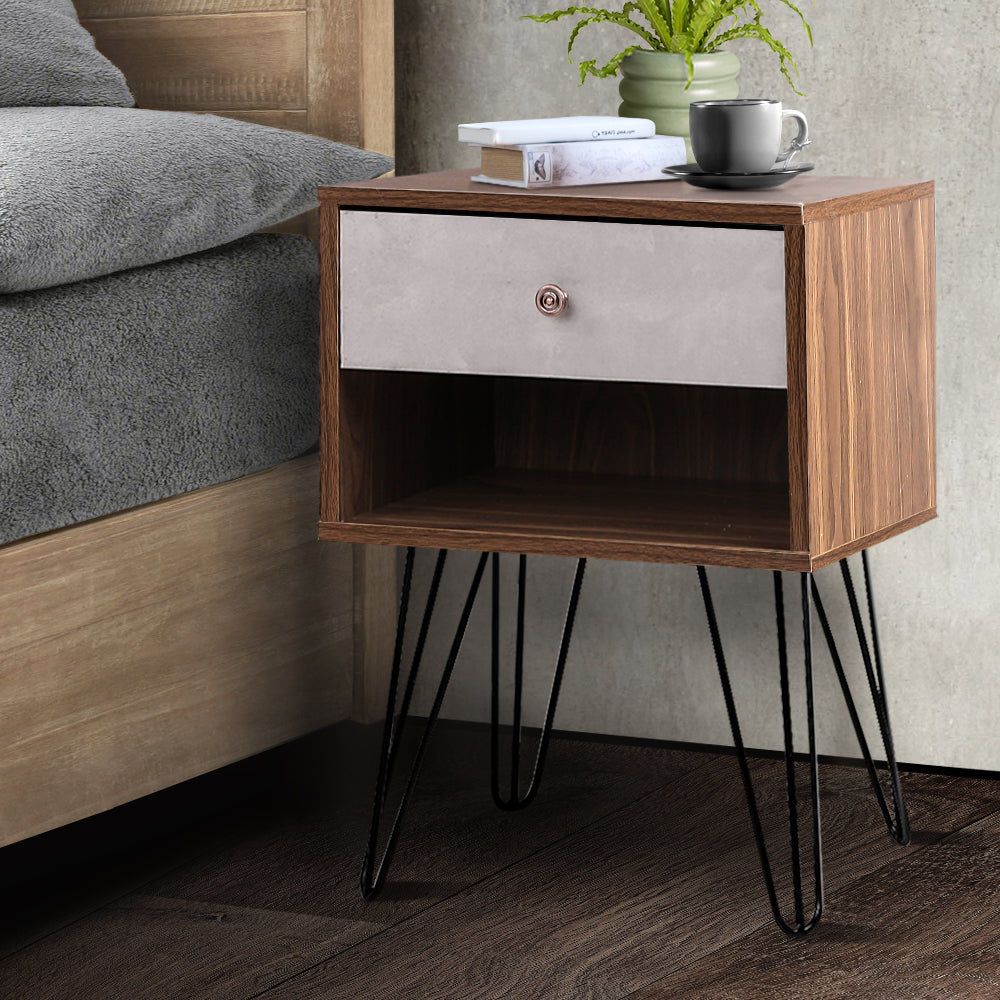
{"type": "Point", "coordinates": [148, 647]}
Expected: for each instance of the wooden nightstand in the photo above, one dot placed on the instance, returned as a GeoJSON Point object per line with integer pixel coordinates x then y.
{"type": "Point", "coordinates": [736, 379]}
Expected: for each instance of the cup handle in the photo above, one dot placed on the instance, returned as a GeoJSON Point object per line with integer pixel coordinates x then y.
{"type": "Point", "coordinates": [797, 144]}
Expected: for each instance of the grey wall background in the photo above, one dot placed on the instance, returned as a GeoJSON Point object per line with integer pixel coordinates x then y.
{"type": "Point", "coordinates": [893, 90]}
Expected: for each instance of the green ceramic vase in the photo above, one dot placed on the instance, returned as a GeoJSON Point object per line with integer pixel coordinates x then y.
{"type": "Point", "coordinates": [653, 86]}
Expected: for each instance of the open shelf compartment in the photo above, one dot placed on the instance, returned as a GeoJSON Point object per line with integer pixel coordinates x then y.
{"type": "Point", "coordinates": [621, 470]}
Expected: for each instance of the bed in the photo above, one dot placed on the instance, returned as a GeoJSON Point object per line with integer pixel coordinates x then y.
{"type": "Point", "coordinates": [146, 646]}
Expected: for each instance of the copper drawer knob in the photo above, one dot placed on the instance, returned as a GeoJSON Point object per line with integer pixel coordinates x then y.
{"type": "Point", "coordinates": [551, 300]}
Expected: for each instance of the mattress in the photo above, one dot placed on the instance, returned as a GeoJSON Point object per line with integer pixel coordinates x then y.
{"type": "Point", "coordinates": [147, 383]}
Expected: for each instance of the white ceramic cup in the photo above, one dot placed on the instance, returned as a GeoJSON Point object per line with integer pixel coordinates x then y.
{"type": "Point", "coordinates": [743, 136]}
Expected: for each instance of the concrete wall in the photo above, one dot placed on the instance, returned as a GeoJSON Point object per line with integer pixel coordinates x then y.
{"type": "Point", "coordinates": [894, 90]}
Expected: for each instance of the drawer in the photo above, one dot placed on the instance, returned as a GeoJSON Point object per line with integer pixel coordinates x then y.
{"type": "Point", "coordinates": [647, 302]}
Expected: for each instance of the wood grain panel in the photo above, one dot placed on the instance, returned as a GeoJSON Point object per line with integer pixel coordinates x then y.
{"type": "Point", "coordinates": [351, 72]}
{"type": "Point", "coordinates": [329, 60]}
{"type": "Point", "coordinates": [148, 8]}
{"type": "Point", "coordinates": [921, 927]}
{"type": "Point", "coordinates": [335, 83]}
{"type": "Point", "coordinates": [451, 826]}
{"type": "Point", "coordinates": [295, 868]}
{"type": "Point", "coordinates": [867, 541]}
{"type": "Point", "coordinates": [378, 93]}
{"type": "Point", "coordinates": [629, 428]}
{"type": "Point", "coordinates": [795, 355]}
{"type": "Point", "coordinates": [202, 62]}
{"type": "Point", "coordinates": [649, 901]}
{"type": "Point", "coordinates": [595, 506]}
{"type": "Point", "coordinates": [402, 433]}
{"type": "Point", "coordinates": [213, 964]}
{"type": "Point", "coordinates": [571, 545]}
{"type": "Point", "coordinates": [145, 648]}
{"type": "Point", "coordinates": [601, 516]}
{"type": "Point", "coordinates": [802, 199]}
{"type": "Point", "coordinates": [870, 316]}
{"type": "Point", "coordinates": [330, 500]}
{"type": "Point", "coordinates": [375, 609]}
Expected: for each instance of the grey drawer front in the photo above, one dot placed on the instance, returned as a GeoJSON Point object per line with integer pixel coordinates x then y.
{"type": "Point", "coordinates": [647, 302]}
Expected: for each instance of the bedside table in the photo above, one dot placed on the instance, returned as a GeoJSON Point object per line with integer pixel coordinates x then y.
{"type": "Point", "coordinates": [643, 372]}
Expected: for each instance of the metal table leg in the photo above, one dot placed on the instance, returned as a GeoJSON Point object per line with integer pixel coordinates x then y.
{"type": "Point", "coordinates": [373, 874]}
{"type": "Point", "coordinates": [515, 799]}
{"type": "Point", "coordinates": [896, 820]}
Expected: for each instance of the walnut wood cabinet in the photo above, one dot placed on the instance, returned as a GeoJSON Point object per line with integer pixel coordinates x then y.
{"type": "Point", "coordinates": [738, 378]}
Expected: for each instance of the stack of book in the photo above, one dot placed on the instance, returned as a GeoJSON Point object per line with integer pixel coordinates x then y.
{"type": "Point", "coordinates": [543, 152]}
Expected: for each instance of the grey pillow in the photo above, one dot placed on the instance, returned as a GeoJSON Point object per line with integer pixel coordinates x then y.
{"type": "Point", "coordinates": [47, 57]}
{"type": "Point", "coordinates": [91, 191]}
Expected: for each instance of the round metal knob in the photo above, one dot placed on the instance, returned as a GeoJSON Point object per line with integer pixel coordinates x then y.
{"type": "Point", "coordinates": [551, 300]}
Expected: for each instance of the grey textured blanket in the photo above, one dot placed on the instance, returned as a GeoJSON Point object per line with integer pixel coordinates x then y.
{"type": "Point", "coordinates": [91, 191]}
{"type": "Point", "coordinates": [140, 385]}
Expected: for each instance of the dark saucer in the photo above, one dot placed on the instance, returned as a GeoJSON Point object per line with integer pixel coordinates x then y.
{"type": "Point", "coordinates": [693, 174]}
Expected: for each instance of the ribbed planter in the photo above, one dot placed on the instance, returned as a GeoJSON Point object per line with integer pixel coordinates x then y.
{"type": "Point", "coordinates": [652, 86]}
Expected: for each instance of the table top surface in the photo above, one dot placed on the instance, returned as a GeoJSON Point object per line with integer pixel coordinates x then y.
{"type": "Point", "coordinates": [802, 199]}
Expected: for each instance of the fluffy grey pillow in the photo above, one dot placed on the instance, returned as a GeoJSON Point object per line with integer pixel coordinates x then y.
{"type": "Point", "coordinates": [46, 57]}
{"type": "Point", "coordinates": [91, 191]}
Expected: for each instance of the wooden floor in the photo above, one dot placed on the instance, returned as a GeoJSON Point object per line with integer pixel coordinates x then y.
{"type": "Point", "coordinates": [632, 875]}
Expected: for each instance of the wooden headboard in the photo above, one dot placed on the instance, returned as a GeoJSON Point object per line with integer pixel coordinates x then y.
{"type": "Point", "coordinates": [319, 66]}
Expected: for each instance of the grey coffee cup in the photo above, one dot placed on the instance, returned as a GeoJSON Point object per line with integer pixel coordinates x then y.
{"type": "Point", "coordinates": [743, 136]}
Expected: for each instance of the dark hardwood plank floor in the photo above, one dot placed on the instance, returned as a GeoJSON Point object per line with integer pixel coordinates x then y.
{"type": "Point", "coordinates": [632, 875]}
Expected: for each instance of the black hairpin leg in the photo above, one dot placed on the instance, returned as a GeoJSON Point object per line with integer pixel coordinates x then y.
{"type": "Point", "coordinates": [372, 876]}
{"type": "Point", "coordinates": [800, 924]}
{"type": "Point", "coordinates": [515, 799]}
{"type": "Point", "coordinates": [896, 821]}
{"type": "Point", "coordinates": [895, 818]}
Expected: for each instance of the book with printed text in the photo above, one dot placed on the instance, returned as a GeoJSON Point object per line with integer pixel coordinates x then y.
{"type": "Point", "coordinates": [578, 128]}
{"type": "Point", "coordinates": [563, 164]}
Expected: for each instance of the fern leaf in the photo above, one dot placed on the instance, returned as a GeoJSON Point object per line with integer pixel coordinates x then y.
{"type": "Point", "coordinates": [726, 9]}
{"type": "Point", "coordinates": [682, 14]}
{"type": "Point", "coordinates": [577, 28]}
{"type": "Point", "coordinates": [613, 18]}
{"type": "Point", "coordinates": [556, 14]}
{"type": "Point", "coordinates": [657, 21]}
{"type": "Point", "coordinates": [689, 61]}
{"type": "Point", "coordinates": [731, 34]}
{"type": "Point", "coordinates": [610, 15]}
{"type": "Point", "coordinates": [637, 5]}
{"type": "Point", "coordinates": [736, 7]}
{"type": "Point", "coordinates": [754, 29]}
{"type": "Point", "coordinates": [733, 9]}
{"type": "Point", "coordinates": [707, 17]}
{"type": "Point", "coordinates": [590, 67]}
{"type": "Point", "coordinates": [680, 43]}
{"type": "Point", "coordinates": [805, 23]}
{"type": "Point", "coordinates": [620, 18]}
{"type": "Point", "coordinates": [664, 8]}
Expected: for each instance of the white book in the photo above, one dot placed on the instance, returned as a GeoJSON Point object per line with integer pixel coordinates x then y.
{"type": "Point", "coordinates": [578, 128]}
{"type": "Point", "coordinates": [563, 164]}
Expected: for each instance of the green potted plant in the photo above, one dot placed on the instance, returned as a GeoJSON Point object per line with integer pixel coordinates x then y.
{"type": "Point", "coordinates": [682, 58]}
